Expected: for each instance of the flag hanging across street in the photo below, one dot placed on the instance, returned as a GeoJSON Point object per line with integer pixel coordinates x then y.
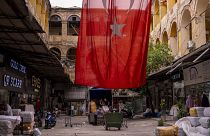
{"type": "Point", "coordinates": [113, 43]}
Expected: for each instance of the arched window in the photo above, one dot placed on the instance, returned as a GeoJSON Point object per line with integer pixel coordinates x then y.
{"type": "Point", "coordinates": [73, 25]}
{"type": "Point", "coordinates": [173, 39]}
{"type": "Point", "coordinates": [56, 52]}
{"type": "Point", "coordinates": [165, 38]}
{"type": "Point", "coordinates": [157, 41]}
{"type": "Point", "coordinates": [163, 8]}
{"type": "Point", "coordinates": [156, 16]}
{"type": "Point", "coordinates": [186, 31]}
{"type": "Point", "coordinates": [55, 25]}
{"type": "Point", "coordinates": [71, 54]}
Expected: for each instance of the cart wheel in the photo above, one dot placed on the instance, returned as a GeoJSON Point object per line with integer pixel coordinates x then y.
{"type": "Point", "coordinates": [106, 128]}
{"type": "Point", "coordinates": [66, 125]}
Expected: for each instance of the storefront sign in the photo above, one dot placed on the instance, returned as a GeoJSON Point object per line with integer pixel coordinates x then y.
{"type": "Point", "coordinates": [10, 81]}
{"type": "Point", "coordinates": [17, 66]}
{"type": "Point", "coordinates": [177, 77]}
{"type": "Point", "coordinates": [36, 82]}
{"type": "Point", "coordinates": [197, 74]}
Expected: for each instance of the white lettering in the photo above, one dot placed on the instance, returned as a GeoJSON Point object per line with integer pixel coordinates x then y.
{"type": "Point", "coordinates": [17, 66]}
{"type": "Point", "coordinates": [12, 81]}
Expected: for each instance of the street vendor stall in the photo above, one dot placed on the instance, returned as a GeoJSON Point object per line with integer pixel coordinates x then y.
{"type": "Point", "coordinates": [100, 102]}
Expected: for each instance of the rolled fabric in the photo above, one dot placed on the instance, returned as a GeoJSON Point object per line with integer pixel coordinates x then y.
{"type": "Point", "coordinates": [206, 112]}
{"type": "Point", "coordinates": [203, 131]}
{"type": "Point", "coordinates": [205, 122]}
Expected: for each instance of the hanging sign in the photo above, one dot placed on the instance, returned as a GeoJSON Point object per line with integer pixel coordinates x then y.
{"type": "Point", "coordinates": [10, 81]}
{"type": "Point", "coordinates": [17, 66]}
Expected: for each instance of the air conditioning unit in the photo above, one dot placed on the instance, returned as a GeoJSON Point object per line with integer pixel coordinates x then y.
{"type": "Point", "coordinates": [176, 57]}
{"type": "Point", "coordinates": [190, 45]}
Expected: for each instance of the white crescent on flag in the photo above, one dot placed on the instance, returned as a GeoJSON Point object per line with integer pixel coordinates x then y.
{"type": "Point", "coordinates": [126, 4]}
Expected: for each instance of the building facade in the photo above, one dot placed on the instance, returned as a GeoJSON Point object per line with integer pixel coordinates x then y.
{"type": "Point", "coordinates": [64, 27]}
{"type": "Point", "coordinates": [184, 26]}
{"type": "Point", "coordinates": [28, 70]}
{"type": "Point", "coordinates": [63, 35]}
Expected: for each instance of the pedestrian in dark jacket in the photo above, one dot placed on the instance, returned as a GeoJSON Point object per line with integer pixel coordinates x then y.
{"type": "Point", "coordinates": [205, 101]}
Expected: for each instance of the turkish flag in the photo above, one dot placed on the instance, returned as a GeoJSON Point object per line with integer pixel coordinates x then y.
{"type": "Point", "coordinates": [113, 43]}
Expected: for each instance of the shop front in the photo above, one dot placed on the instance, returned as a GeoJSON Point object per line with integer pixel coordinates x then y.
{"type": "Point", "coordinates": [197, 79]}
{"type": "Point", "coordinates": [178, 86]}
{"type": "Point", "coordinates": [17, 85]}
{"type": "Point", "coordinates": [13, 81]}
{"type": "Point", "coordinates": [76, 101]}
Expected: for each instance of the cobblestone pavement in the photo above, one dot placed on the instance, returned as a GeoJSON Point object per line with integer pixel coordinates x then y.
{"type": "Point", "coordinates": [137, 127]}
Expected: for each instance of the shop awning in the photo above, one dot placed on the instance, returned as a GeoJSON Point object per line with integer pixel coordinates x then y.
{"type": "Point", "coordinates": [200, 54]}
{"type": "Point", "coordinates": [20, 34]}
{"type": "Point", "coordinates": [159, 74]}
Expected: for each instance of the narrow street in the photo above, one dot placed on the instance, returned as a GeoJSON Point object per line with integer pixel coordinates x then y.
{"type": "Point", "coordinates": [136, 127]}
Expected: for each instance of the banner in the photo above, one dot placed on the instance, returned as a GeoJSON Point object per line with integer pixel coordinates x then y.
{"type": "Point", "coordinates": [113, 43]}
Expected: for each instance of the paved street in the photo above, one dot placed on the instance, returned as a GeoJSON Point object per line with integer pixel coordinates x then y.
{"type": "Point", "coordinates": [137, 127]}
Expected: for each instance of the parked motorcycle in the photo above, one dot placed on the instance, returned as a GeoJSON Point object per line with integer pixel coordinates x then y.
{"type": "Point", "coordinates": [50, 120]}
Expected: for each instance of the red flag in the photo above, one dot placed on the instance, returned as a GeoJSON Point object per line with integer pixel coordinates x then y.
{"type": "Point", "coordinates": [113, 43]}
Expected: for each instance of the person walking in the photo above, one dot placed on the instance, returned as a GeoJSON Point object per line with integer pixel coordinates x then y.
{"type": "Point", "coordinates": [205, 101]}
{"type": "Point", "coordinates": [189, 103]}
{"type": "Point", "coordinates": [198, 102]}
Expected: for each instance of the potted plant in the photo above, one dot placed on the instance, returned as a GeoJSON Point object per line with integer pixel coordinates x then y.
{"type": "Point", "coordinates": [163, 109]}
{"type": "Point", "coordinates": [181, 109]}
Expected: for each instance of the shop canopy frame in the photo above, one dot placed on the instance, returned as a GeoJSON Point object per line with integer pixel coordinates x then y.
{"type": "Point", "coordinates": [22, 36]}
{"type": "Point", "coordinates": [198, 55]}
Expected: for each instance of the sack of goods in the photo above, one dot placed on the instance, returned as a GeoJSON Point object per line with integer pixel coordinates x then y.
{"type": "Point", "coordinates": [207, 112]}
{"type": "Point", "coordinates": [27, 116]}
{"type": "Point", "coordinates": [167, 131]}
{"type": "Point", "coordinates": [200, 111]}
{"type": "Point", "coordinates": [193, 112]}
{"type": "Point", "coordinates": [37, 132]}
{"type": "Point", "coordinates": [6, 127]}
{"type": "Point", "coordinates": [205, 122]}
{"type": "Point", "coordinates": [203, 131]}
{"type": "Point", "coordinates": [181, 132]}
{"type": "Point", "coordinates": [16, 112]}
{"type": "Point", "coordinates": [194, 121]}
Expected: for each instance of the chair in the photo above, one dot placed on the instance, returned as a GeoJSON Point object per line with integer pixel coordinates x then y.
{"type": "Point", "coordinates": [114, 119]}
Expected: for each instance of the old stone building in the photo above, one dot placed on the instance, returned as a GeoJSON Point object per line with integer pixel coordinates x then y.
{"type": "Point", "coordinates": [184, 25]}
{"type": "Point", "coordinates": [63, 34]}
{"type": "Point", "coordinates": [179, 22]}
{"type": "Point", "coordinates": [64, 26]}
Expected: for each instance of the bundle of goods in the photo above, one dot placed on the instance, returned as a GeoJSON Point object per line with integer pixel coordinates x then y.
{"type": "Point", "coordinates": [16, 112]}
{"type": "Point", "coordinates": [167, 131]}
{"type": "Point", "coordinates": [197, 112]}
{"type": "Point", "coordinates": [198, 123]}
{"type": "Point", "coordinates": [204, 128]}
{"type": "Point", "coordinates": [194, 121]}
{"type": "Point", "coordinates": [6, 128]}
{"type": "Point", "coordinates": [200, 111]}
{"type": "Point", "coordinates": [28, 121]}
